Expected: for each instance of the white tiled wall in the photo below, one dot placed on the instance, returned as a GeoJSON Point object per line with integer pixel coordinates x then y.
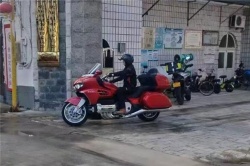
{"type": "Point", "coordinates": [245, 54]}
{"type": "Point", "coordinates": [173, 14]}
{"type": "Point", "coordinates": [122, 22]}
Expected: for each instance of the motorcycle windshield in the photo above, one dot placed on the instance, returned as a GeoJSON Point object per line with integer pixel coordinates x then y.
{"type": "Point", "coordinates": [95, 68]}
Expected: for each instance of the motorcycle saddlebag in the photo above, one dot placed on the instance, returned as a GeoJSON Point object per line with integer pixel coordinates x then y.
{"type": "Point", "coordinates": [155, 100]}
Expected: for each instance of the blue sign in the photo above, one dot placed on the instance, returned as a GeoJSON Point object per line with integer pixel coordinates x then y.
{"type": "Point", "coordinates": [159, 37]}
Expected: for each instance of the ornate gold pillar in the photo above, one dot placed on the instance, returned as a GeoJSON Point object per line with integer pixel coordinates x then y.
{"type": "Point", "coordinates": [47, 32]}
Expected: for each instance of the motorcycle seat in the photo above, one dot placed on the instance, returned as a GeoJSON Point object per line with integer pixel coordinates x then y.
{"type": "Point", "coordinates": [199, 76]}
{"type": "Point", "coordinates": [139, 90]}
{"type": "Point", "coordinates": [223, 76]}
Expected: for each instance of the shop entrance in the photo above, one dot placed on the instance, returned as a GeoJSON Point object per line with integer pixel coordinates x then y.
{"type": "Point", "coordinates": [226, 59]}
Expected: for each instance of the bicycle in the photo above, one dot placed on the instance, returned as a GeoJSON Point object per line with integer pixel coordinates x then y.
{"type": "Point", "coordinates": [214, 81]}
{"type": "Point", "coordinates": [205, 87]}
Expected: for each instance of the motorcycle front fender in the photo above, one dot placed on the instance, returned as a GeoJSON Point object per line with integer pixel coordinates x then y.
{"type": "Point", "coordinates": [76, 101]}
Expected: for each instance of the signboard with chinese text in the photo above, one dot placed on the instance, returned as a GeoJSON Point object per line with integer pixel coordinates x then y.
{"type": "Point", "coordinates": [7, 55]}
{"type": "Point", "coordinates": [210, 38]}
{"type": "Point", "coordinates": [148, 38]}
{"type": "Point", "coordinates": [193, 39]}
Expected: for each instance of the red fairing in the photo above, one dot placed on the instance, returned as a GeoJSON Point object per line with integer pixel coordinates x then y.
{"type": "Point", "coordinates": [134, 101]}
{"type": "Point", "coordinates": [154, 100]}
{"type": "Point", "coordinates": [162, 82]}
{"type": "Point", "coordinates": [94, 90]}
{"type": "Point", "coordinates": [73, 100]}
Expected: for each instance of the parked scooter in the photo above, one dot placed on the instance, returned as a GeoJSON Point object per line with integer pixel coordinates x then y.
{"type": "Point", "coordinates": [95, 98]}
{"type": "Point", "coordinates": [239, 76]}
{"type": "Point", "coordinates": [176, 71]}
{"type": "Point", "coordinates": [180, 89]}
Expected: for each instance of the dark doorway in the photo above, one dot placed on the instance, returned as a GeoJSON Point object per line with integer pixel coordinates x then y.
{"type": "Point", "coordinates": [108, 57]}
{"type": "Point", "coordinates": [105, 44]}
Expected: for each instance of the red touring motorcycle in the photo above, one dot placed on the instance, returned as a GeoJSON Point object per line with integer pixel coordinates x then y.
{"type": "Point", "coordinates": [96, 98]}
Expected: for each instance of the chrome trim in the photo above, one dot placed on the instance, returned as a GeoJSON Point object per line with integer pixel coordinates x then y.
{"type": "Point", "coordinates": [141, 111]}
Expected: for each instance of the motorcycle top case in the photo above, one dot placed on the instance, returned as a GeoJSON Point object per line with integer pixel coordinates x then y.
{"type": "Point", "coordinates": [159, 81]}
{"type": "Point", "coordinates": [156, 100]}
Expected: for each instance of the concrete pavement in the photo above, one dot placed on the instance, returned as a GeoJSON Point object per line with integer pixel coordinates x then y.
{"type": "Point", "coordinates": [224, 98]}
{"type": "Point", "coordinates": [25, 142]}
{"type": "Point", "coordinates": [207, 128]}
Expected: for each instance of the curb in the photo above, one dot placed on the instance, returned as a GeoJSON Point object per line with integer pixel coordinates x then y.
{"type": "Point", "coordinates": [4, 108]}
{"type": "Point", "coordinates": [231, 156]}
{"type": "Point", "coordinates": [221, 105]}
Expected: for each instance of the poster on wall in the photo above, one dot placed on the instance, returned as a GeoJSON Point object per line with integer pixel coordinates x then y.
{"type": "Point", "coordinates": [173, 38]}
{"type": "Point", "coordinates": [148, 38]}
{"type": "Point", "coordinates": [148, 55]}
{"type": "Point", "coordinates": [209, 54]}
{"type": "Point", "coordinates": [210, 38]}
{"type": "Point", "coordinates": [159, 36]}
{"type": "Point", "coordinates": [7, 54]}
{"type": "Point", "coordinates": [193, 39]}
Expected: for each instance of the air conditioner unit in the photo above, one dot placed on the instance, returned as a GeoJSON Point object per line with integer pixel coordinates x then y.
{"type": "Point", "coordinates": [237, 21]}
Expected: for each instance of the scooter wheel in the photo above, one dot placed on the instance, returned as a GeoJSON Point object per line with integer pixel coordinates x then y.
{"type": "Point", "coordinates": [229, 88]}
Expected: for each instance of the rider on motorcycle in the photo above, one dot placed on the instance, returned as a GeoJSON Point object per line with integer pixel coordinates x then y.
{"type": "Point", "coordinates": [128, 75]}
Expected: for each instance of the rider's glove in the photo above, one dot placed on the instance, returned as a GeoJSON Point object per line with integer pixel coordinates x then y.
{"type": "Point", "coordinates": [111, 74]}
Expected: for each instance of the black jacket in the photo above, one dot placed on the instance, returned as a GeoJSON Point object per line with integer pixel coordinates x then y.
{"type": "Point", "coordinates": [128, 75]}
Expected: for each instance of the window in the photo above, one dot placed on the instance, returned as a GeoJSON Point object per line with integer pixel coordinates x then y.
{"type": "Point", "coordinates": [230, 42]}
{"type": "Point", "coordinates": [223, 42]}
{"type": "Point", "coordinates": [221, 60]}
{"type": "Point", "coordinates": [230, 60]}
{"type": "Point", "coordinates": [227, 41]}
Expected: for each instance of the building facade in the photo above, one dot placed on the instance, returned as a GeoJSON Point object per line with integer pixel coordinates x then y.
{"type": "Point", "coordinates": [100, 31]}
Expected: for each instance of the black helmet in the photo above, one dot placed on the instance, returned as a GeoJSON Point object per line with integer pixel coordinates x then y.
{"type": "Point", "coordinates": [177, 58]}
{"type": "Point", "coordinates": [128, 59]}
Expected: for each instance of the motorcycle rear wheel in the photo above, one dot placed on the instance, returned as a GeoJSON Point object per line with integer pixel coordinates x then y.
{"type": "Point", "coordinates": [74, 118]}
{"type": "Point", "coordinates": [149, 117]}
{"type": "Point", "coordinates": [179, 96]}
{"type": "Point", "coordinates": [188, 94]}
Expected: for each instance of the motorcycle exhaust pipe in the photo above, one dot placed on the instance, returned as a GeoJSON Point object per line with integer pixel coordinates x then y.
{"type": "Point", "coordinates": [144, 111]}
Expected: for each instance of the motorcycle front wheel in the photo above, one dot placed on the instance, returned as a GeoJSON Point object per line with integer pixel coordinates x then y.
{"type": "Point", "coordinates": [74, 118]}
{"type": "Point", "coordinates": [148, 117]}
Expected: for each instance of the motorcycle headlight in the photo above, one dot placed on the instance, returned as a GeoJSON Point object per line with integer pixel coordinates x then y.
{"type": "Point", "coordinates": [78, 86]}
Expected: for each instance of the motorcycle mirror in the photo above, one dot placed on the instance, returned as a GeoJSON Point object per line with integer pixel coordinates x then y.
{"type": "Point", "coordinates": [98, 72]}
